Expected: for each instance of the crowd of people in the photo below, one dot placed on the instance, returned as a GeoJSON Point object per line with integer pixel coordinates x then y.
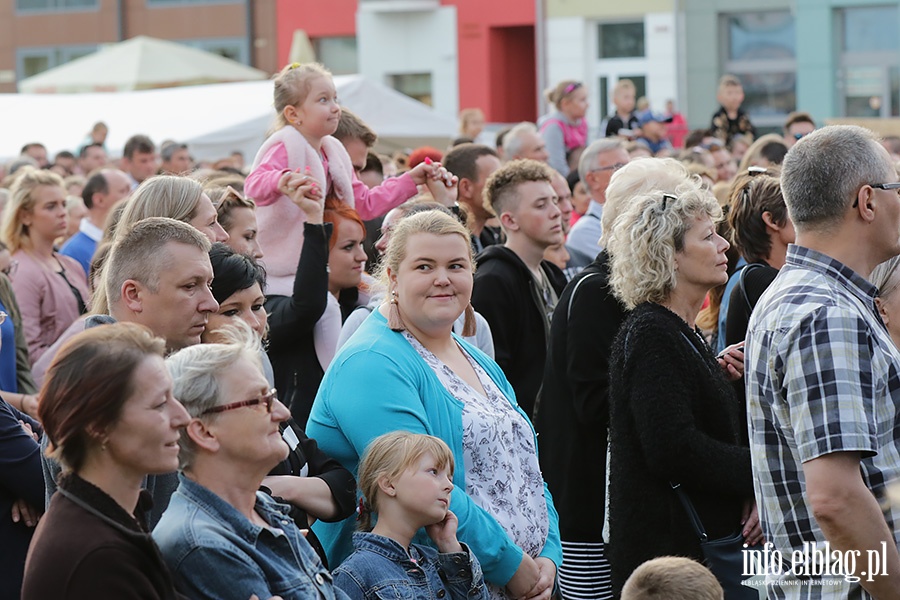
{"type": "Point", "coordinates": [512, 369]}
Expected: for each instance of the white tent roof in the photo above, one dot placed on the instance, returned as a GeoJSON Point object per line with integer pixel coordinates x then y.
{"type": "Point", "coordinates": [139, 63]}
{"type": "Point", "coordinates": [212, 119]}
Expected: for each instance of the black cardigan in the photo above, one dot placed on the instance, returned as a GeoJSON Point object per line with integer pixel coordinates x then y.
{"type": "Point", "coordinates": [673, 417]}
{"type": "Point", "coordinates": [573, 413]}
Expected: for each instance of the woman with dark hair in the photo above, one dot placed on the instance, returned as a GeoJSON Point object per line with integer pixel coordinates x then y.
{"type": "Point", "coordinates": [109, 433]}
{"type": "Point", "coordinates": [314, 484]}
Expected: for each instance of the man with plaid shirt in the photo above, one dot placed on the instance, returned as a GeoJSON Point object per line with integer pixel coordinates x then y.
{"type": "Point", "coordinates": [823, 377]}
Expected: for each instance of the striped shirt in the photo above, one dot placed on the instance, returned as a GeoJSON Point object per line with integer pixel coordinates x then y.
{"type": "Point", "coordinates": [822, 376]}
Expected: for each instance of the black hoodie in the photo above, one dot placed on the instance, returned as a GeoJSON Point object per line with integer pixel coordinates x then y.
{"type": "Point", "coordinates": [507, 295]}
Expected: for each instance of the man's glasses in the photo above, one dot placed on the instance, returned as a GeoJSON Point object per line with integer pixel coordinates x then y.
{"type": "Point", "coordinates": [613, 168]}
{"type": "Point", "coordinates": [881, 186]}
{"type": "Point", "coordinates": [267, 399]}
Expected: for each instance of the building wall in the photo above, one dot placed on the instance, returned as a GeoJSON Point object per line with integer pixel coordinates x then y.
{"type": "Point", "coordinates": [394, 43]}
{"type": "Point", "coordinates": [23, 32]}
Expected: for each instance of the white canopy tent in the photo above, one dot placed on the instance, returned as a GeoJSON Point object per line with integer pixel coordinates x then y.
{"type": "Point", "coordinates": [139, 63]}
{"type": "Point", "coordinates": [213, 120]}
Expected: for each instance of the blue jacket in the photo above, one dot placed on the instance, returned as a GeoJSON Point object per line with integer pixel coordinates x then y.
{"type": "Point", "coordinates": [381, 567]}
{"type": "Point", "coordinates": [214, 551]}
{"type": "Point", "coordinates": [378, 383]}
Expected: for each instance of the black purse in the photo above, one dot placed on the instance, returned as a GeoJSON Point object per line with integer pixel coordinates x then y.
{"type": "Point", "coordinates": [723, 556]}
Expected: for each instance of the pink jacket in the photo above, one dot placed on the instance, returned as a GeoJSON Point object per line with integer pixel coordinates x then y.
{"type": "Point", "coordinates": [47, 303]}
{"type": "Point", "coordinates": [281, 221]}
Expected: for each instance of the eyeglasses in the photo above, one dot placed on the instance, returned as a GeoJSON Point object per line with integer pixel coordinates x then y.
{"type": "Point", "coordinates": [11, 268]}
{"type": "Point", "coordinates": [800, 136]}
{"type": "Point", "coordinates": [268, 400]}
{"type": "Point", "coordinates": [881, 186]}
{"type": "Point", "coordinates": [753, 171]}
{"type": "Point", "coordinates": [666, 198]}
{"type": "Point", "coordinates": [613, 168]}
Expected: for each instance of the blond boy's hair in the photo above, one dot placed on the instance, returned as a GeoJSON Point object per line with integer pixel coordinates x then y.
{"type": "Point", "coordinates": [622, 85]}
{"type": "Point", "coordinates": [672, 578]}
{"type": "Point", "coordinates": [729, 80]}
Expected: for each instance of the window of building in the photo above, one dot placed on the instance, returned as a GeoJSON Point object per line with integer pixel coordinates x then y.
{"type": "Point", "coordinates": [760, 49]}
{"type": "Point", "coordinates": [414, 85]}
{"type": "Point", "coordinates": [54, 5]}
{"type": "Point", "coordinates": [339, 54]}
{"type": "Point", "coordinates": [869, 83]}
{"type": "Point", "coordinates": [621, 40]}
{"type": "Point", "coordinates": [31, 61]}
{"type": "Point", "coordinates": [233, 48]}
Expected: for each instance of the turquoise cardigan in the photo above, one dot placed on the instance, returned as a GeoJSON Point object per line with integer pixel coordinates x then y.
{"type": "Point", "coordinates": [378, 383]}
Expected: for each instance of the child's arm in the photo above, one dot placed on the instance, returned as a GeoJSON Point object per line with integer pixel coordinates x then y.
{"type": "Point", "coordinates": [554, 140]}
{"type": "Point", "coordinates": [347, 583]}
{"type": "Point", "coordinates": [263, 184]}
{"type": "Point", "coordinates": [464, 581]}
{"type": "Point", "coordinates": [377, 201]}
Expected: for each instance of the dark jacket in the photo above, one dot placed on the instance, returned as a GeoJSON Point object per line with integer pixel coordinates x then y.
{"type": "Point", "coordinates": [725, 128]}
{"type": "Point", "coordinates": [507, 295]}
{"type": "Point", "coordinates": [21, 478]}
{"type": "Point", "coordinates": [306, 460]}
{"type": "Point", "coordinates": [573, 412]}
{"type": "Point", "coordinates": [87, 546]}
{"type": "Point", "coordinates": [673, 418]}
{"type": "Point", "coordinates": [292, 347]}
{"type": "Point", "coordinates": [616, 123]}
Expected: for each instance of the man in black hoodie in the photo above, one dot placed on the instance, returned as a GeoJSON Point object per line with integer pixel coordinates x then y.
{"type": "Point", "coordinates": [515, 289]}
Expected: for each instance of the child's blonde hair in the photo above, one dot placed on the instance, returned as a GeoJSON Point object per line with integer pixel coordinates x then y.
{"type": "Point", "coordinates": [292, 86]}
{"type": "Point", "coordinates": [388, 456]}
{"type": "Point", "coordinates": [672, 578]}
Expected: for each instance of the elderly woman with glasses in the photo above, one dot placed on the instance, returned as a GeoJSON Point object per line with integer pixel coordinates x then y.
{"type": "Point", "coordinates": [673, 414]}
{"type": "Point", "coordinates": [220, 536]}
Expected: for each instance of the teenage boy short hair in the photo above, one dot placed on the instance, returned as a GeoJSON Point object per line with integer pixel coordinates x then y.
{"type": "Point", "coordinates": [729, 81]}
{"type": "Point", "coordinates": [500, 188]}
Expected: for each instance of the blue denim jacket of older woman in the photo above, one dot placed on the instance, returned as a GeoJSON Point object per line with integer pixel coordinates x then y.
{"type": "Point", "coordinates": [214, 551]}
{"type": "Point", "coordinates": [380, 568]}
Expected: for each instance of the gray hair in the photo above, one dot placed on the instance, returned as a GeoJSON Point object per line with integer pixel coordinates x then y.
{"type": "Point", "coordinates": [588, 158]}
{"type": "Point", "coordinates": [646, 236]}
{"type": "Point", "coordinates": [823, 172]}
{"type": "Point", "coordinates": [196, 372]}
{"type": "Point", "coordinates": [512, 142]}
{"type": "Point", "coordinates": [642, 176]}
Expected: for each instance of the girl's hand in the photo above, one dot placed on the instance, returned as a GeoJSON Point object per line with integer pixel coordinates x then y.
{"type": "Point", "coordinates": [443, 534]}
{"type": "Point", "coordinates": [430, 170]}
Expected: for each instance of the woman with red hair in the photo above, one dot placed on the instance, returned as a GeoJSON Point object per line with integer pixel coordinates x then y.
{"type": "Point", "coordinates": [304, 327]}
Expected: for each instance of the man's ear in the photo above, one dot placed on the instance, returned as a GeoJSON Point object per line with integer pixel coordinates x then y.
{"type": "Point", "coordinates": [465, 188]}
{"type": "Point", "coordinates": [132, 295]}
{"type": "Point", "coordinates": [201, 435]}
{"type": "Point", "coordinates": [864, 203]}
{"type": "Point", "coordinates": [508, 221]}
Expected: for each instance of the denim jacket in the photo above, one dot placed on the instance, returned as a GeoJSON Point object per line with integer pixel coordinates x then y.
{"type": "Point", "coordinates": [214, 551]}
{"type": "Point", "coordinates": [380, 568]}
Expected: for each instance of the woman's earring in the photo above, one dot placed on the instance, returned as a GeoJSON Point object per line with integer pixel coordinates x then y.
{"type": "Point", "coordinates": [394, 320]}
{"type": "Point", "coordinates": [469, 324]}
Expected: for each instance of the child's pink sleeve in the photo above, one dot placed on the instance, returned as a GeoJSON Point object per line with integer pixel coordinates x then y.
{"type": "Point", "coordinates": [262, 182]}
{"type": "Point", "coordinates": [377, 201]}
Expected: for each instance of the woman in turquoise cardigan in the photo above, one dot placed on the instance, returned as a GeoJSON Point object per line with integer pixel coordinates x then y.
{"type": "Point", "coordinates": [404, 369]}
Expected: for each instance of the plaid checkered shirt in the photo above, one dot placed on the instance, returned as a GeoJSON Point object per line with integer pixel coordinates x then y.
{"type": "Point", "coordinates": [822, 376]}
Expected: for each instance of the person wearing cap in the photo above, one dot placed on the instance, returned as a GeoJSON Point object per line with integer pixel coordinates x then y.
{"type": "Point", "coordinates": [653, 131]}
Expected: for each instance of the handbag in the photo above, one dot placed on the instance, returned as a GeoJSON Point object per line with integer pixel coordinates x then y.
{"type": "Point", "coordinates": [723, 556]}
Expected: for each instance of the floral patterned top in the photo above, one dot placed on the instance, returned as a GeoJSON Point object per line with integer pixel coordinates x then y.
{"type": "Point", "coordinates": [501, 465]}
